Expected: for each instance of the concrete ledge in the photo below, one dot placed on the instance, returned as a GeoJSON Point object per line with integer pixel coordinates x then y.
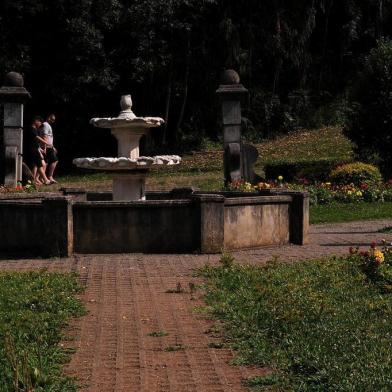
{"type": "Point", "coordinates": [258, 200]}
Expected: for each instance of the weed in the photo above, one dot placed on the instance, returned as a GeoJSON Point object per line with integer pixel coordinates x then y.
{"type": "Point", "coordinates": [176, 347]}
{"type": "Point", "coordinates": [216, 345]}
{"type": "Point", "coordinates": [178, 290]}
{"type": "Point", "coordinates": [156, 334]}
{"type": "Point", "coordinates": [387, 229]}
{"type": "Point", "coordinates": [227, 260]}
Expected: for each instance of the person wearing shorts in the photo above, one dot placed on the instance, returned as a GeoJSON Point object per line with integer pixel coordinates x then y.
{"type": "Point", "coordinates": [36, 153]}
{"type": "Point", "coordinates": [51, 158]}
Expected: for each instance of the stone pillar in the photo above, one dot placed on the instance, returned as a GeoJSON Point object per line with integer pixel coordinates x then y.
{"type": "Point", "coordinates": [212, 221]}
{"type": "Point", "coordinates": [58, 226]}
{"type": "Point", "coordinates": [12, 96]}
{"type": "Point", "coordinates": [231, 93]}
{"type": "Point", "coordinates": [128, 141]}
{"type": "Point", "coordinates": [299, 218]}
{"type": "Point", "coordinates": [129, 186]}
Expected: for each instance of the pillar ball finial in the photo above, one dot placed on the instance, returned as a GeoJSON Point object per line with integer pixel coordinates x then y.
{"type": "Point", "coordinates": [13, 79]}
{"type": "Point", "coordinates": [230, 76]}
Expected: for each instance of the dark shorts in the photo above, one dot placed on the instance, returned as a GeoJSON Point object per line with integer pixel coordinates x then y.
{"type": "Point", "coordinates": [36, 158]}
{"type": "Point", "coordinates": [51, 155]}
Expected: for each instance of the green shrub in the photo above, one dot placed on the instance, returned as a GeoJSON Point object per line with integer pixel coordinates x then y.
{"type": "Point", "coordinates": [355, 173]}
{"type": "Point", "coordinates": [311, 170]}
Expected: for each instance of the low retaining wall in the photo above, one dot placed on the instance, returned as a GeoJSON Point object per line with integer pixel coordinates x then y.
{"type": "Point", "coordinates": [179, 221]}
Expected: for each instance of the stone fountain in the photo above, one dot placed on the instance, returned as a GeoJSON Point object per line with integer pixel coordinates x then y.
{"type": "Point", "coordinates": [129, 170]}
{"type": "Point", "coordinates": [182, 220]}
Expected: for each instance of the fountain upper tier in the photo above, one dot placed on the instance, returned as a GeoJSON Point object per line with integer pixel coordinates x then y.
{"type": "Point", "coordinates": [127, 128]}
{"type": "Point", "coordinates": [129, 170]}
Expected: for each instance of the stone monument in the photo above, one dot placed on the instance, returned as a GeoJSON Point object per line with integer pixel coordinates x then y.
{"type": "Point", "coordinates": [12, 96]}
{"type": "Point", "coordinates": [128, 170]}
{"type": "Point", "coordinates": [239, 158]}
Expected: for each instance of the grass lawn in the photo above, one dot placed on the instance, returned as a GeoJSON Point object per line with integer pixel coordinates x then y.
{"type": "Point", "coordinates": [318, 326]}
{"type": "Point", "coordinates": [34, 306]}
{"type": "Point", "coordinates": [206, 181]}
{"type": "Point", "coordinates": [204, 169]}
{"type": "Point", "coordinates": [344, 212]}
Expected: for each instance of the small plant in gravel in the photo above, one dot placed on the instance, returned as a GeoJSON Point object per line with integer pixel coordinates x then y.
{"type": "Point", "coordinates": [157, 334]}
{"type": "Point", "coordinates": [178, 290]}
{"type": "Point", "coordinates": [176, 347]}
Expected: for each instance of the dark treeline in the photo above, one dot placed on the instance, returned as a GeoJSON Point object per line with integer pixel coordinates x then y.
{"type": "Point", "coordinates": [297, 58]}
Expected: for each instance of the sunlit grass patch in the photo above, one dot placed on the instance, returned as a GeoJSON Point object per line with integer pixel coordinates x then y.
{"type": "Point", "coordinates": [320, 324]}
{"type": "Point", "coordinates": [34, 306]}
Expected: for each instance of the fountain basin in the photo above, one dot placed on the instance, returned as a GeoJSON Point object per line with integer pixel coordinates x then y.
{"type": "Point", "coordinates": [177, 221]}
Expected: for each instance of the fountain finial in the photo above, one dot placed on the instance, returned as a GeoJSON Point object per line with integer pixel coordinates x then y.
{"type": "Point", "coordinates": [126, 107]}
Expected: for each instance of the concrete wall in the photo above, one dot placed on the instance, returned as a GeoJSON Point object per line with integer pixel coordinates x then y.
{"type": "Point", "coordinates": [257, 221]}
{"type": "Point", "coordinates": [180, 221]}
{"type": "Point", "coordinates": [151, 227]}
{"type": "Point", "coordinates": [21, 227]}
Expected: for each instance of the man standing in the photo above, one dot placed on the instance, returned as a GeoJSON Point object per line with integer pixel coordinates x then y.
{"type": "Point", "coordinates": [46, 132]}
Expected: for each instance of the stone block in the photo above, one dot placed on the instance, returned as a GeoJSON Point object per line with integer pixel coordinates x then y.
{"type": "Point", "coordinates": [231, 112]}
{"type": "Point", "coordinates": [232, 134]}
{"type": "Point", "coordinates": [13, 115]}
{"type": "Point", "coordinates": [11, 166]}
{"type": "Point", "coordinates": [58, 226]}
{"type": "Point", "coordinates": [211, 208]}
{"type": "Point", "coordinates": [252, 222]}
{"type": "Point", "coordinates": [299, 216]}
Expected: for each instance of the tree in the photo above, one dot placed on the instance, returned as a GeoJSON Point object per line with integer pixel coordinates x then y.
{"type": "Point", "coordinates": [370, 122]}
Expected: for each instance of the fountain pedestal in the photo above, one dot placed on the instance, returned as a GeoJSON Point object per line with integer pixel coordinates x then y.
{"type": "Point", "coordinates": [129, 186]}
{"type": "Point", "coordinates": [129, 170]}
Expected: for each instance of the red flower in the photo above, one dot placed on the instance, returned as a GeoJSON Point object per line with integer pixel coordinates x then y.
{"type": "Point", "coordinates": [373, 244]}
{"type": "Point", "coordinates": [390, 181]}
{"type": "Point", "coordinates": [364, 186]}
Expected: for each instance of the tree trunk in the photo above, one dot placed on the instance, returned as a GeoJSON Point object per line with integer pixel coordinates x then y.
{"type": "Point", "coordinates": [325, 39]}
{"type": "Point", "coordinates": [185, 94]}
{"type": "Point", "coordinates": [380, 19]}
{"type": "Point", "coordinates": [168, 103]}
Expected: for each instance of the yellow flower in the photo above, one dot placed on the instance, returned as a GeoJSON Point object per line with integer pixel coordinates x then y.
{"type": "Point", "coordinates": [349, 192]}
{"type": "Point", "coordinates": [328, 184]}
{"type": "Point", "coordinates": [359, 194]}
{"type": "Point", "coordinates": [378, 256]}
{"type": "Point", "coordinates": [280, 178]}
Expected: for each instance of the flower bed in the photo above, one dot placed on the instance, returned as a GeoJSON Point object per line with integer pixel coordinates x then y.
{"type": "Point", "coordinates": [376, 263]}
{"type": "Point", "coordinates": [29, 187]}
{"type": "Point", "coordinates": [325, 192]}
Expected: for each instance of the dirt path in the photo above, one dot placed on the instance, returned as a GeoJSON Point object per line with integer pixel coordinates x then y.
{"type": "Point", "coordinates": [128, 298]}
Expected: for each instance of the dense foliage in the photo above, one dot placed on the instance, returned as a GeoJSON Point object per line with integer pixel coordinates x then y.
{"type": "Point", "coordinates": [370, 122]}
{"type": "Point", "coordinates": [317, 326]}
{"type": "Point", "coordinates": [297, 59]}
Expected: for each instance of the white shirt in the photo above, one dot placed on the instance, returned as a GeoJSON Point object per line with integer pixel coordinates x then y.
{"type": "Point", "coordinates": [47, 131]}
